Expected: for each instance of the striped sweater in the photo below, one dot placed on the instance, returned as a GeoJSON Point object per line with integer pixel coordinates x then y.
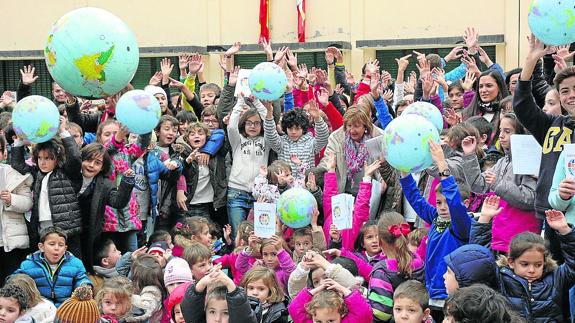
{"type": "Point", "coordinates": [304, 148]}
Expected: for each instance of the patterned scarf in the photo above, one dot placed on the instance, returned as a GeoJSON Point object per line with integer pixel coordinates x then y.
{"type": "Point", "coordinates": [441, 225]}
{"type": "Point", "coordinates": [355, 156]}
{"type": "Point", "coordinates": [490, 107]}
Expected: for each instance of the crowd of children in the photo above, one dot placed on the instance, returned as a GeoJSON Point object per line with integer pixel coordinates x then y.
{"type": "Point", "coordinates": [102, 225]}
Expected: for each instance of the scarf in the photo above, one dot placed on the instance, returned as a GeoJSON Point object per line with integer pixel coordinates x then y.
{"type": "Point", "coordinates": [355, 156]}
{"type": "Point", "coordinates": [441, 225]}
{"type": "Point", "coordinates": [490, 107]}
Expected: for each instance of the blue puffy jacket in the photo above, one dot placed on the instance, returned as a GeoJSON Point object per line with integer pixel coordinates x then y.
{"type": "Point", "coordinates": [473, 264]}
{"type": "Point", "coordinates": [56, 286]}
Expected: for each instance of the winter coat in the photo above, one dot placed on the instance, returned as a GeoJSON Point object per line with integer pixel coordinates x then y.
{"type": "Point", "coordinates": [439, 244]}
{"type": "Point", "coordinates": [63, 186]}
{"type": "Point", "coordinates": [283, 271]}
{"type": "Point", "coordinates": [385, 278]}
{"type": "Point", "coordinates": [518, 194]}
{"type": "Point", "coordinates": [56, 286]}
{"type": "Point", "coordinates": [43, 312]}
{"type": "Point", "coordinates": [228, 261]}
{"type": "Point", "coordinates": [275, 313]}
{"type": "Point", "coordinates": [298, 279]}
{"type": "Point", "coordinates": [472, 264]}
{"type": "Point", "coordinates": [359, 310]}
{"type": "Point", "coordinates": [239, 309]}
{"type": "Point", "coordinates": [150, 301]}
{"type": "Point", "coordinates": [556, 202]}
{"type": "Point", "coordinates": [14, 233]}
{"type": "Point", "coordinates": [166, 202]}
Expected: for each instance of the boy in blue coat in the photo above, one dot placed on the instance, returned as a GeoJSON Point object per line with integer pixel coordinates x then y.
{"type": "Point", "coordinates": [450, 225]}
{"type": "Point", "coordinates": [57, 273]}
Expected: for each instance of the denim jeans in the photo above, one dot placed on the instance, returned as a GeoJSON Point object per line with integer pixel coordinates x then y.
{"type": "Point", "coordinates": [204, 210]}
{"type": "Point", "coordinates": [239, 205]}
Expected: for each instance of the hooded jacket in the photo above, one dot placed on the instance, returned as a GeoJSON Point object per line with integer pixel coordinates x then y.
{"type": "Point", "coordinates": [472, 264]}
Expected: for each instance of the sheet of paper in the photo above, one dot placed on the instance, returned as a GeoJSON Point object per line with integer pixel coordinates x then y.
{"type": "Point", "coordinates": [526, 153]}
{"type": "Point", "coordinates": [375, 199]}
{"type": "Point", "coordinates": [374, 147]}
{"type": "Point", "coordinates": [242, 85]}
{"type": "Point", "coordinates": [342, 211]}
{"type": "Point", "coordinates": [569, 155]}
{"type": "Point", "coordinates": [265, 219]}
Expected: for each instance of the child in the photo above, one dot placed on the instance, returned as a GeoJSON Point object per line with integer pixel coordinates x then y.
{"type": "Point", "coordinates": [261, 283]}
{"type": "Point", "coordinates": [110, 263]}
{"type": "Point", "coordinates": [39, 309]}
{"type": "Point", "coordinates": [76, 132]}
{"type": "Point", "coordinates": [467, 265]}
{"type": "Point", "coordinates": [306, 239]}
{"type": "Point", "coordinates": [417, 238]}
{"type": "Point", "coordinates": [57, 180]}
{"type": "Point", "coordinates": [177, 272]}
{"type": "Point", "coordinates": [115, 298]}
{"type": "Point", "coordinates": [296, 141]}
{"type": "Point", "coordinates": [185, 118]}
{"type": "Point", "coordinates": [161, 235]}
{"type": "Point", "coordinates": [209, 93]}
{"type": "Point", "coordinates": [149, 292]}
{"type": "Point", "coordinates": [214, 298]}
{"type": "Point", "coordinates": [56, 272]}
{"type": "Point", "coordinates": [174, 303]}
{"type": "Point", "coordinates": [330, 302]}
{"type": "Point", "coordinates": [562, 190]}
{"type": "Point", "coordinates": [516, 191]}
{"type": "Point", "coordinates": [449, 223]}
{"type": "Point", "coordinates": [198, 258]}
{"type": "Point", "coordinates": [274, 257]}
{"type": "Point", "coordinates": [228, 261]}
{"type": "Point", "coordinates": [13, 303]}
{"type": "Point", "coordinates": [400, 265]}
{"type": "Point", "coordinates": [528, 276]}
{"type": "Point", "coordinates": [161, 252]}
{"type": "Point", "coordinates": [190, 230]}
{"type": "Point", "coordinates": [411, 303]}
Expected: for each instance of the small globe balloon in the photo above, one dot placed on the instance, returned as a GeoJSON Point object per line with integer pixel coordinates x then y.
{"type": "Point", "coordinates": [406, 143]}
{"type": "Point", "coordinates": [267, 81]}
{"type": "Point", "coordinates": [91, 53]}
{"type": "Point", "coordinates": [139, 111]}
{"type": "Point", "coordinates": [295, 207]}
{"type": "Point", "coordinates": [426, 110]}
{"type": "Point", "coordinates": [36, 119]}
{"type": "Point", "coordinates": [553, 21]}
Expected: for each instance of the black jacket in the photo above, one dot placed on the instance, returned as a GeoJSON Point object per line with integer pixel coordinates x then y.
{"type": "Point", "coordinates": [276, 313]}
{"type": "Point", "coordinates": [193, 307]}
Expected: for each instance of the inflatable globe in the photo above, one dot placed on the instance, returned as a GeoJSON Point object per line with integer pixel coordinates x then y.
{"type": "Point", "coordinates": [139, 111]}
{"type": "Point", "coordinates": [553, 21]}
{"type": "Point", "coordinates": [406, 143]}
{"type": "Point", "coordinates": [295, 207]}
{"type": "Point", "coordinates": [36, 119]}
{"type": "Point", "coordinates": [91, 53]}
{"type": "Point", "coordinates": [267, 81]}
{"type": "Point", "coordinates": [428, 111]}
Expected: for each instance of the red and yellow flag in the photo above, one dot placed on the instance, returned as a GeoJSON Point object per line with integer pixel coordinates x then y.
{"type": "Point", "coordinates": [264, 20]}
{"type": "Point", "coordinates": [301, 20]}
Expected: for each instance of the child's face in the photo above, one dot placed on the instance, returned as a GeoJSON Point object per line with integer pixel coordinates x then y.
{"type": "Point", "coordinates": [217, 311]}
{"type": "Point", "coordinates": [295, 132]}
{"type": "Point", "coordinates": [442, 207]}
{"type": "Point", "coordinates": [54, 248]}
{"type": "Point", "coordinates": [552, 104]}
{"type": "Point", "coordinates": [204, 237]}
{"type": "Point", "coordinates": [197, 138]}
{"type": "Point", "coordinates": [46, 162]}
{"type": "Point", "coordinates": [529, 265]}
{"type": "Point", "coordinates": [163, 101]}
{"type": "Point", "coordinates": [258, 290]}
{"type": "Point", "coordinates": [159, 258]}
{"type": "Point", "coordinates": [303, 244]}
{"type": "Point", "coordinates": [371, 241]}
{"type": "Point", "coordinates": [107, 132]}
{"type": "Point", "coordinates": [170, 288]}
{"type": "Point", "coordinates": [111, 306]}
{"type": "Point", "coordinates": [317, 276]}
{"type": "Point", "coordinates": [77, 136]}
{"type": "Point", "coordinates": [113, 256]}
{"type": "Point", "coordinates": [406, 310]}
{"type": "Point", "coordinates": [167, 134]}
{"type": "Point", "coordinates": [201, 268]}
{"type": "Point", "coordinates": [178, 316]}
{"type": "Point", "coordinates": [207, 97]}
{"type": "Point", "coordinates": [326, 315]}
{"type": "Point", "coordinates": [451, 284]}
{"type": "Point", "coordinates": [9, 310]}
{"type": "Point", "coordinates": [182, 127]}
{"type": "Point", "coordinates": [132, 138]}
{"type": "Point", "coordinates": [270, 256]}
{"type": "Point", "coordinates": [211, 121]}
{"type": "Point", "coordinates": [506, 129]}
{"type": "Point", "coordinates": [456, 97]}
{"type": "Point", "coordinates": [92, 167]}
{"type": "Point", "coordinates": [253, 126]}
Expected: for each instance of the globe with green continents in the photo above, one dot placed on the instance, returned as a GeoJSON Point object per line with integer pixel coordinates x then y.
{"type": "Point", "coordinates": [91, 53]}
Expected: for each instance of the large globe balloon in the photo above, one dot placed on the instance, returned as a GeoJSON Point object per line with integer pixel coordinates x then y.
{"type": "Point", "coordinates": [267, 81]}
{"type": "Point", "coordinates": [36, 118]}
{"type": "Point", "coordinates": [553, 21]}
{"type": "Point", "coordinates": [406, 143]}
{"type": "Point", "coordinates": [295, 207]}
{"type": "Point", "coordinates": [139, 111]}
{"type": "Point", "coordinates": [426, 110]}
{"type": "Point", "coordinates": [91, 53]}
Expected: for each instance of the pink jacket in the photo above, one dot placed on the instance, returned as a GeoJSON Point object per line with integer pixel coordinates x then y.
{"type": "Point", "coordinates": [360, 211]}
{"type": "Point", "coordinates": [229, 261]}
{"type": "Point", "coordinates": [359, 309]}
{"type": "Point", "coordinates": [286, 266]}
{"type": "Point", "coordinates": [302, 97]}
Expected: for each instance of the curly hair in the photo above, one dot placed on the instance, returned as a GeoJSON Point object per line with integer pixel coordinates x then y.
{"type": "Point", "coordinates": [15, 292]}
{"type": "Point", "coordinates": [53, 148]}
{"type": "Point", "coordinates": [326, 299]}
{"type": "Point", "coordinates": [294, 118]}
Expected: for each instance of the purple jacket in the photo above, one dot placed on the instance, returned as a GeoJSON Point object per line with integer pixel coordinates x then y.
{"type": "Point", "coordinates": [283, 271]}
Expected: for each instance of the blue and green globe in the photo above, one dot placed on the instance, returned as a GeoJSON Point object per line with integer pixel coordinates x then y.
{"type": "Point", "coordinates": [139, 111]}
{"type": "Point", "coordinates": [36, 119]}
{"type": "Point", "coordinates": [267, 81]}
{"type": "Point", "coordinates": [426, 110]}
{"type": "Point", "coordinates": [91, 53]}
{"type": "Point", "coordinates": [295, 207]}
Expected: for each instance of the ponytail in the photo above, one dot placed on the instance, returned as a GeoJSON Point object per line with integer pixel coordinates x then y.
{"type": "Point", "coordinates": [393, 230]}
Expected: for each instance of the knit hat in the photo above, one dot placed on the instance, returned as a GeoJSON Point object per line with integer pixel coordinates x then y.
{"type": "Point", "coordinates": [80, 308]}
{"type": "Point", "coordinates": [159, 247]}
{"type": "Point", "coordinates": [177, 296]}
{"type": "Point", "coordinates": [177, 271]}
{"type": "Point", "coordinates": [153, 90]}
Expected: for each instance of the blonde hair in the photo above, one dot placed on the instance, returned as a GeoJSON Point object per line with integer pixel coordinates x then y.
{"type": "Point", "coordinates": [28, 286]}
{"type": "Point", "coordinates": [187, 228]}
{"type": "Point", "coordinates": [326, 299]}
{"type": "Point", "coordinates": [195, 127]}
{"type": "Point", "coordinates": [268, 276]}
{"type": "Point", "coordinates": [195, 253]}
{"type": "Point", "coordinates": [357, 115]}
{"type": "Point", "coordinates": [121, 288]}
{"type": "Point", "coordinates": [400, 244]}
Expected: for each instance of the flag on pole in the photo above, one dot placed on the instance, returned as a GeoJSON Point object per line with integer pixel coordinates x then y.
{"type": "Point", "coordinates": [264, 20]}
{"type": "Point", "coordinates": [301, 20]}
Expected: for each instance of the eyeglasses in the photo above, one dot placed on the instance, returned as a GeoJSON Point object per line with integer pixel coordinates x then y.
{"type": "Point", "coordinates": [212, 121]}
{"type": "Point", "coordinates": [253, 123]}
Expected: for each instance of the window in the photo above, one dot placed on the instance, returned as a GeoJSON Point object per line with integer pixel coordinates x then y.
{"type": "Point", "coordinates": [311, 59]}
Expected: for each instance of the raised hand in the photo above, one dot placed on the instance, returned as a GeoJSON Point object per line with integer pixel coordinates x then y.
{"type": "Point", "coordinates": [291, 60]}
{"type": "Point", "coordinates": [388, 95]}
{"type": "Point", "coordinates": [233, 78]}
{"type": "Point", "coordinates": [537, 49]}
{"type": "Point", "coordinates": [490, 209]}
{"type": "Point", "coordinates": [437, 155]}
{"type": "Point", "coordinates": [183, 62]}
{"type": "Point", "coordinates": [335, 286]}
{"type": "Point", "coordinates": [254, 241]}
{"type": "Point", "coordinates": [469, 144]}
{"type": "Point", "coordinates": [283, 178]}
{"type": "Point", "coordinates": [424, 68]}
{"type": "Point", "coordinates": [557, 221]}
{"type": "Point", "coordinates": [166, 67]}
{"type": "Point", "coordinates": [349, 78]}
{"type": "Point", "coordinates": [323, 97]}
{"type": "Point", "coordinates": [471, 38]}
{"type": "Point", "coordinates": [27, 75]}
{"type": "Point", "coordinates": [280, 54]}
{"type": "Point", "coordinates": [329, 56]}
{"type": "Point", "coordinates": [371, 168]}
{"type": "Point", "coordinates": [454, 54]}
{"type": "Point", "coordinates": [559, 63]}
{"type": "Point", "coordinates": [374, 83]}
{"type": "Point", "coordinates": [320, 76]}
{"type": "Point", "coordinates": [469, 61]}
{"type": "Point", "coordinates": [176, 84]}
{"type": "Point", "coordinates": [469, 80]}
{"type": "Point", "coordinates": [428, 86]}
{"type": "Point", "coordinates": [452, 117]}
{"type": "Point", "coordinates": [311, 182]}
{"type": "Point", "coordinates": [156, 79]}
{"type": "Point", "coordinates": [295, 159]}
{"type": "Point", "coordinates": [233, 50]}
{"type": "Point", "coordinates": [276, 242]}
{"type": "Point", "coordinates": [336, 53]}
{"type": "Point", "coordinates": [484, 58]}
{"type": "Point", "coordinates": [420, 56]}
{"type": "Point", "coordinates": [403, 62]}
{"type": "Point", "coordinates": [490, 177]}
{"type": "Point", "coordinates": [228, 234]}
{"type": "Point", "coordinates": [195, 63]}
{"type": "Point", "coordinates": [371, 67]}
{"type": "Point", "coordinates": [267, 48]}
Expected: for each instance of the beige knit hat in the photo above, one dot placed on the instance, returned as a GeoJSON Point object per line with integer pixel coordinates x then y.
{"type": "Point", "coordinates": [80, 308]}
